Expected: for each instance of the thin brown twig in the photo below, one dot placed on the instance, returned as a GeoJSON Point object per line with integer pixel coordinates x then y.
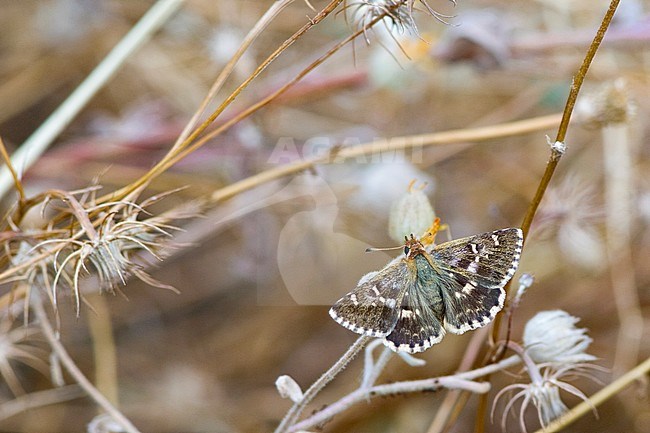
{"type": "Point", "coordinates": [74, 371]}
{"type": "Point", "coordinates": [104, 351]}
{"type": "Point", "coordinates": [378, 147]}
{"type": "Point", "coordinates": [17, 183]}
{"type": "Point", "coordinates": [172, 156]}
{"type": "Point", "coordinates": [557, 150]}
{"type": "Point", "coordinates": [261, 24]}
{"type": "Point", "coordinates": [38, 399]}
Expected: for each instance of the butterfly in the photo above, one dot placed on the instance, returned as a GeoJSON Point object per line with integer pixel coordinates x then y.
{"type": "Point", "coordinates": [455, 286]}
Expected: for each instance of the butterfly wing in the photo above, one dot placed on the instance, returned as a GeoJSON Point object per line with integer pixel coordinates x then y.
{"type": "Point", "coordinates": [419, 325]}
{"type": "Point", "coordinates": [372, 308]}
{"type": "Point", "coordinates": [473, 272]}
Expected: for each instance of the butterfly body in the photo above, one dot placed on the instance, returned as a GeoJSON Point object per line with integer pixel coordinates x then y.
{"type": "Point", "coordinates": [456, 286]}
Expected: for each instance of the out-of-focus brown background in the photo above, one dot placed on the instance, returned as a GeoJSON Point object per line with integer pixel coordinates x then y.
{"type": "Point", "coordinates": [263, 268]}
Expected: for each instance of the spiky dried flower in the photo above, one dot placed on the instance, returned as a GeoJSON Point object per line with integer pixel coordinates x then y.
{"type": "Point", "coordinates": [543, 392]}
{"type": "Point", "coordinates": [397, 15]}
{"type": "Point", "coordinates": [102, 239]}
{"type": "Point", "coordinates": [554, 353]}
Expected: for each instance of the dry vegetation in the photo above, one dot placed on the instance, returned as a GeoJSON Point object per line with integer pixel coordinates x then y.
{"type": "Point", "coordinates": [269, 240]}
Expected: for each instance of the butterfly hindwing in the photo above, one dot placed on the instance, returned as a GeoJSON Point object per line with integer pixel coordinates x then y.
{"type": "Point", "coordinates": [474, 271]}
{"type": "Point", "coordinates": [419, 325]}
{"type": "Point", "coordinates": [372, 308]}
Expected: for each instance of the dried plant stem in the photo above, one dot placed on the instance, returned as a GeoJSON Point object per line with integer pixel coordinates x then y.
{"type": "Point", "coordinates": [16, 179]}
{"type": "Point", "coordinates": [261, 24]}
{"type": "Point", "coordinates": [601, 396]}
{"type": "Point", "coordinates": [556, 153]}
{"type": "Point", "coordinates": [619, 184]}
{"type": "Point", "coordinates": [41, 139]}
{"type": "Point", "coordinates": [557, 150]}
{"type": "Point", "coordinates": [39, 399]}
{"type": "Point", "coordinates": [374, 148]}
{"type": "Point", "coordinates": [105, 356]}
{"type": "Point", "coordinates": [378, 147]}
{"type": "Point", "coordinates": [74, 371]}
{"type": "Point", "coordinates": [462, 381]}
{"type": "Point", "coordinates": [446, 413]}
{"type": "Point", "coordinates": [372, 370]}
{"type": "Point", "coordinates": [326, 378]}
{"type": "Point", "coordinates": [173, 155]}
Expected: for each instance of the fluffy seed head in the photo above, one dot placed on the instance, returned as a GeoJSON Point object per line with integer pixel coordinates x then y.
{"type": "Point", "coordinates": [551, 336]}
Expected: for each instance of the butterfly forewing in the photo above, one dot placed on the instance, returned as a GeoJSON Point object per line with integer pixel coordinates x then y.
{"type": "Point", "coordinates": [372, 308]}
{"type": "Point", "coordinates": [419, 325]}
{"type": "Point", "coordinates": [474, 271]}
{"type": "Point", "coordinates": [491, 259]}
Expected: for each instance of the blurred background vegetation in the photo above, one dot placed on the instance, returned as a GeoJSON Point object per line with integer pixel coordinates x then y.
{"type": "Point", "coordinates": [257, 273]}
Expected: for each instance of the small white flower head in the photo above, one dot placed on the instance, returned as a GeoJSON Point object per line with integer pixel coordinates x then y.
{"type": "Point", "coordinates": [288, 388]}
{"type": "Point", "coordinates": [551, 336]}
{"type": "Point", "coordinates": [412, 214]}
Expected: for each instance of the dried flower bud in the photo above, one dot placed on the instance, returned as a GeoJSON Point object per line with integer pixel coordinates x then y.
{"type": "Point", "coordinates": [287, 387]}
{"type": "Point", "coordinates": [104, 423]}
{"type": "Point", "coordinates": [609, 104]}
{"type": "Point", "coordinates": [411, 214]}
{"type": "Point", "coordinates": [551, 336]}
{"type": "Point", "coordinates": [525, 281]}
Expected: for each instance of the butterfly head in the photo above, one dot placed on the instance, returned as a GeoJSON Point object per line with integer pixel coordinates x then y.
{"type": "Point", "coordinates": [413, 247]}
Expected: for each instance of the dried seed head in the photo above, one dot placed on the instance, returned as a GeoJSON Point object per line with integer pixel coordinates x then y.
{"type": "Point", "coordinates": [551, 336]}
{"type": "Point", "coordinates": [410, 215]}
{"type": "Point", "coordinates": [569, 214]}
{"type": "Point", "coordinates": [544, 388]}
{"type": "Point", "coordinates": [396, 14]}
{"type": "Point", "coordinates": [102, 239]}
{"type": "Point", "coordinates": [611, 103]}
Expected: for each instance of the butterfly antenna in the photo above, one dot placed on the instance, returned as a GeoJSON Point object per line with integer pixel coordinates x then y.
{"type": "Point", "coordinates": [371, 250]}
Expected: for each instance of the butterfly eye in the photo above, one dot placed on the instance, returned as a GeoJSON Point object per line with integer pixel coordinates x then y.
{"type": "Point", "coordinates": [406, 251]}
